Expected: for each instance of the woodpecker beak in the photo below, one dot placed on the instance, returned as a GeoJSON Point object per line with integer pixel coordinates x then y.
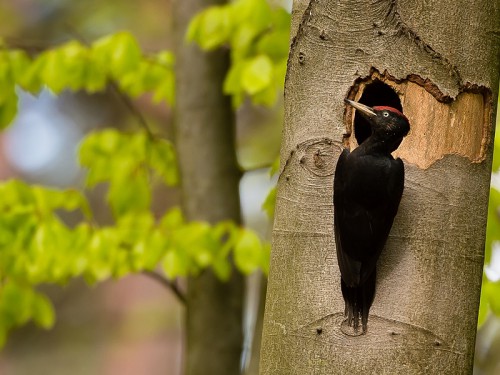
{"type": "Point", "coordinates": [363, 109]}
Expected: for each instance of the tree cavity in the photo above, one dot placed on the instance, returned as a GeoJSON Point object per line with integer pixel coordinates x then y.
{"type": "Point", "coordinates": [376, 93]}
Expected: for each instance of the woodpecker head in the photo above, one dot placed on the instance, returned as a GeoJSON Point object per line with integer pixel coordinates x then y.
{"type": "Point", "coordinates": [386, 122]}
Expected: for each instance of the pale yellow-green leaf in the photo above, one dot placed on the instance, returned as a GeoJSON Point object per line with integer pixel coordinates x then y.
{"type": "Point", "coordinates": [248, 252]}
{"type": "Point", "coordinates": [257, 74]}
{"type": "Point", "coordinates": [43, 311]}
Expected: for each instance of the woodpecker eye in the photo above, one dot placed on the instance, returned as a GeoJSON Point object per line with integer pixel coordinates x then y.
{"type": "Point", "coordinates": [385, 114]}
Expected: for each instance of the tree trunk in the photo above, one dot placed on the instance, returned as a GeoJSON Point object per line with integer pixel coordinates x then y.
{"type": "Point", "coordinates": [253, 365]}
{"type": "Point", "coordinates": [439, 61]}
{"type": "Point", "coordinates": [210, 178]}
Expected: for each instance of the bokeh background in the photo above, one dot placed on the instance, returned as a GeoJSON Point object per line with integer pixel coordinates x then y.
{"type": "Point", "coordinates": [132, 326]}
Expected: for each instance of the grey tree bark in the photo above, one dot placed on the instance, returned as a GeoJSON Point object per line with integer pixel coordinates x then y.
{"type": "Point", "coordinates": [210, 178]}
{"type": "Point", "coordinates": [439, 59]}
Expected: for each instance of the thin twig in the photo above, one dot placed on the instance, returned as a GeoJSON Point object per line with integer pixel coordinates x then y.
{"type": "Point", "coordinates": [116, 89]}
{"type": "Point", "coordinates": [132, 108]}
{"type": "Point", "coordinates": [169, 284]}
{"type": "Point", "coordinates": [32, 47]}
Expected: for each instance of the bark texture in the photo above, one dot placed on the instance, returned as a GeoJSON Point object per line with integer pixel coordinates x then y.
{"type": "Point", "coordinates": [441, 58]}
{"type": "Point", "coordinates": [210, 178]}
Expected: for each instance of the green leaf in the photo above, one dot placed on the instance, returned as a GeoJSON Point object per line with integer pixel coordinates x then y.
{"type": "Point", "coordinates": [248, 252]}
{"type": "Point", "coordinates": [123, 160]}
{"type": "Point", "coordinates": [5, 71]}
{"type": "Point", "coordinates": [74, 58]}
{"type": "Point", "coordinates": [279, 73]}
{"type": "Point", "coordinates": [47, 200]}
{"type": "Point", "coordinates": [195, 240]}
{"type": "Point", "coordinates": [8, 108]}
{"type": "Point", "coordinates": [51, 73]}
{"type": "Point", "coordinates": [492, 232]}
{"type": "Point", "coordinates": [256, 12]}
{"type": "Point", "coordinates": [274, 167]}
{"type": "Point", "coordinates": [31, 80]}
{"type": "Point", "coordinates": [266, 97]}
{"type": "Point", "coordinates": [232, 82]}
{"type": "Point", "coordinates": [484, 307]}
{"type": "Point", "coordinates": [274, 44]}
{"type": "Point", "coordinates": [100, 252]}
{"type": "Point", "coordinates": [19, 304]}
{"type": "Point", "coordinates": [175, 264]}
{"type": "Point", "coordinates": [152, 250]}
{"type": "Point", "coordinates": [492, 291]}
{"type": "Point", "coordinates": [15, 305]}
{"type": "Point", "coordinates": [166, 58]}
{"type": "Point", "coordinates": [496, 152]}
{"type": "Point", "coordinates": [19, 64]}
{"type": "Point", "coordinates": [118, 54]}
{"type": "Point", "coordinates": [112, 156]}
{"type": "Point", "coordinates": [270, 203]}
{"type": "Point", "coordinates": [99, 145]}
{"type": "Point", "coordinates": [257, 74]}
{"type": "Point", "coordinates": [222, 268]}
{"type": "Point", "coordinates": [95, 79]}
{"type": "Point", "coordinates": [163, 160]}
{"type": "Point", "coordinates": [211, 28]}
{"type": "Point", "coordinates": [202, 256]}
{"type": "Point", "coordinates": [243, 40]}
{"type": "Point", "coordinates": [43, 311]}
{"type": "Point", "coordinates": [155, 75]}
{"type": "Point", "coordinates": [129, 194]}
{"type": "Point", "coordinates": [172, 220]}
{"type": "Point", "coordinates": [165, 89]}
{"type": "Point", "coordinates": [133, 82]}
{"type": "Point", "coordinates": [8, 96]}
{"type": "Point", "coordinates": [134, 227]}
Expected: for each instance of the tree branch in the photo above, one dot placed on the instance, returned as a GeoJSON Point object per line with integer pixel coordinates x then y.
{"type": "Point", "coordinates": [132, 108]}
{"type": "Point", "coordinates": [31, 47]}
{"type": "Point", "coordinates": [167, 283]}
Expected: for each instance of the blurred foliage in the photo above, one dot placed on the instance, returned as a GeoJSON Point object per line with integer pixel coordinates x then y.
{"type": "Point", "coordinates": [74, 66]}
{"type": "Point", "coordinates": [257, 34]}
{"type": "Point", "coordinates": [270, 201]}
{"type": "Point", "coordinates": [33, 23]}
{"type": "Point", "coordinates": [127, 160]}
{"type": "Point", "coordinates": [37, 247]}
{"type": "Point", "coordinates": [490, 292]}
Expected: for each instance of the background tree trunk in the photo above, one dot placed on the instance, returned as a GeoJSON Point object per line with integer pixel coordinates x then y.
{"type": "Point", "coordinates": [253, 365]}
{"type": "Point", "coordinates": [210, 177]}
{"type": "Point", "coordinates": [440, 61]}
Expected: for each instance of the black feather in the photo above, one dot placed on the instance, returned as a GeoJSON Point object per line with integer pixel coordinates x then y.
{"type": "Point", "coordinates": [368, 186]}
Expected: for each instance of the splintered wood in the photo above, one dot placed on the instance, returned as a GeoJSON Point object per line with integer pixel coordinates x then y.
{"type": "Point", "coordinates": [437, 129]}
{"type": "Point", "coordinates": [462, 127]}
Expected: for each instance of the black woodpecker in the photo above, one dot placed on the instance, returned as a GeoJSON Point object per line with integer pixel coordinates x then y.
{"type": "Point", "coordinates": [367, 190]}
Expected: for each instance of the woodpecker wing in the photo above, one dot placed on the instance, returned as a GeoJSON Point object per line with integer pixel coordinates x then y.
{"type": "Point", "coordinates": [349, 267]}
{"type": "Point", "coordinates": [367, 192]}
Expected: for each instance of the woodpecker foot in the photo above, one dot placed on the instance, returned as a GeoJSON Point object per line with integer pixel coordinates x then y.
{"type": "Point", "coordinates": [351, 329]}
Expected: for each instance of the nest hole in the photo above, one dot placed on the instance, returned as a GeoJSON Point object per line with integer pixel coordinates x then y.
{"type": "Point", "coordinates": [376, 93]}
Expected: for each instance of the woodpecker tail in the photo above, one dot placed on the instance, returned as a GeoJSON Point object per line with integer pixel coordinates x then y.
{"type": "Point", "coordinates": [358, 301]}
